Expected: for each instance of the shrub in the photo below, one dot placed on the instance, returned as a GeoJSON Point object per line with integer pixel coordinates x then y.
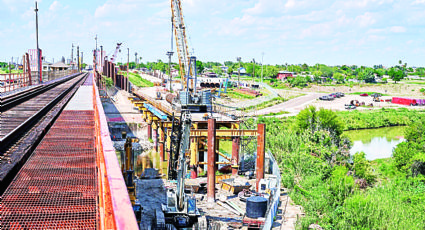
{"type": "Point", "coordinates": [362, 167]}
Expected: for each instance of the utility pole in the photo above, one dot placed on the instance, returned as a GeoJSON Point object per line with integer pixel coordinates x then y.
{"type": "Point", "coordinates": [101, 58]}
{"type": "Point", "coordinates": [72, 56]}
{"type": "Point", "coordinates": [135, 59]}
{"type": "Point", "coordinates": [253, 70]}
{"type": "Point", "coordinates": [128, 66]}
{"type": "Point", "coordinates": [262, 66]}
{"type": "Point", "coordinates": [95, 55]}
{"type": "Point", "coordinates": [82, 61]}
{"type": "Point", "coordinates": [38, 49]}
{"type": "Point", "coordinates": [78, 58]}
{"type": "Point", "coordinates": [169, 54]}
{"type": "Point", "coordinates": [239, 70]}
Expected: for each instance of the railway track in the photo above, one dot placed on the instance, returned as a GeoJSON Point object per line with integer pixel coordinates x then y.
{"type": "Point", "coordinates": [26, 117]}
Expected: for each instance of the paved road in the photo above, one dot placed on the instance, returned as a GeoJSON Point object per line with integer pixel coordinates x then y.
{"type": "Point", "coordinates": [292, 106]}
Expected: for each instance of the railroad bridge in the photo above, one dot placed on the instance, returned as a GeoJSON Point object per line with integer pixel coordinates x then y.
{"type": "Point", "coordinates": [58, 166]}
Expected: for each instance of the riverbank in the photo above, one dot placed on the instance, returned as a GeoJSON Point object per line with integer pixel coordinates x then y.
{"type": "Point", "coordinates": [367, 119]}
{"type": "Point", "coordinates": [336, 194]}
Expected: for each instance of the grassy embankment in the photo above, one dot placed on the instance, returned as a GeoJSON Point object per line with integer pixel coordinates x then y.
{"type": "Point", "coordinates": [138, 81]}
{"type": "Point", "coordinates": [340, 195]}
{"type": "Point", "coordinates": [6, 71]}
{"type": "Point", "coordinates": [236, 95]}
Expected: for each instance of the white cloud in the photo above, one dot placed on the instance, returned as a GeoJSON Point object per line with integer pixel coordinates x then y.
{"type": "Point", "coordinates": [365, 20]}
{"type": "Point", "coordinates": [418, 2]}
{"type": "Point", "coordinates": [398, 29]}
{"type": "Point", "coordinates": [55, 6]}
{"type": "Point", "coordinates": [112, 8]}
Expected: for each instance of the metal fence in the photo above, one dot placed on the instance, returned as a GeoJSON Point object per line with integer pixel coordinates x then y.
{"type": "Point", "coordinates": [274, 204]}
{"type": "Point", "coordinates": [13, 81]}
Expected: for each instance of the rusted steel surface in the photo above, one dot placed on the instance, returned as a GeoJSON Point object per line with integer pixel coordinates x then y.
{"type": "Point", "coordinates": [114, 203]}
{"type": "Point", "coordinates": [261, 151]}
{"type": "Point", "coordinates": [57, 187]}
{"type": "Point", "coordinates": [10, 82]}
{"type": "Point", "coordinates": [211, 160]}
{"type": "Point", "coordinates": [14, 155]}
{"type": "Point", "coordinates": [13, 117]}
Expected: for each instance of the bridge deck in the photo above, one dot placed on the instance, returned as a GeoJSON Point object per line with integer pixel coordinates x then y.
{"type": "Point", "coordinates": [68, 182]}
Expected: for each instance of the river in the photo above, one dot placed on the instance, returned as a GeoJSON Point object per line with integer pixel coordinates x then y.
{"type": "Point", "coordinates": [376, 143]}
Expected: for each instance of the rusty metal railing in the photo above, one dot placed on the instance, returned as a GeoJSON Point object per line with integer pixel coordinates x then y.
{"type": "Point", "coordinates": [12, 81]}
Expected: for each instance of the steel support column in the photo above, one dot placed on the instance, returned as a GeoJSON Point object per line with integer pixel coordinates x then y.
{"type": "Point", "coordinates": [217, 147]}
{"type": "Point", "coordinates": [193, 157]}
{"type": "Point", "coordinates": [161, 140]}
{"type": "Point", "coordinates": [211, 160]}
{"type": "Point", "coordinates": [235, 155]}
{"type": "Point", "coordinates": [150, 131]}
{"type": "Point", "coordinates": [155, 136]}
{"type": "Point", "coordinates": [261, 143]}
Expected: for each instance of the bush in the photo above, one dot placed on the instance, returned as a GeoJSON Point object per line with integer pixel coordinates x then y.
{"type": "Point", "coordinates": [362, 168]}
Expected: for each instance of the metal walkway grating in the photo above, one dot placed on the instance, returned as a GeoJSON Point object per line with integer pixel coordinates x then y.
{"type": "Point", "coordinates": [57, 187]}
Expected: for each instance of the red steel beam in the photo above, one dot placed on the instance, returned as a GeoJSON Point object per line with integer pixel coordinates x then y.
{"type": "Point", "coordinates": [235, 155]}
{"type": "Point", "coordinates": [211, 160]}
{"type": "Point", "coordinates": [261, 151]}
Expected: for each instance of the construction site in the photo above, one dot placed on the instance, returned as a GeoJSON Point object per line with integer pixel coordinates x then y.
{"type": "Point", "coordinates": [78, 153]}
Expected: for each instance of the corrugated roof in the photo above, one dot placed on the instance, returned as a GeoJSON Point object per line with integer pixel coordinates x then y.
{"type": "Point", "coordinates": [59, 65]}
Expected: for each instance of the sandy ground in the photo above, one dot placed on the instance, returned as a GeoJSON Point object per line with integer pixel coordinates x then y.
{"type": "Point", "coordinates": [313, 93]}
{"type": "Point", "coordinates": [399, 89]}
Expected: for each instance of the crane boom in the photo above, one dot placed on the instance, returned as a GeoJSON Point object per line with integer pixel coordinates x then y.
{"type": "Point", "coordinates": [187, 67]}
{"type": "Point", "coordinates": [114, 57]}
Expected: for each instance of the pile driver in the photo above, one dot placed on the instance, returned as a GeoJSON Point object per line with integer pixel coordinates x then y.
{"type": "Point", "coordinates": [188, 98]}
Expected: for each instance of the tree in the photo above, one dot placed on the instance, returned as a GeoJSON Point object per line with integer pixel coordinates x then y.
{"type": "Point", "coordinates": [396, 74]}
{"type": "Point", "coordinates": [379, 72]}
{"type": "Point", "coordinates": [199, 66]}
{"type": "Point", "coordinates": [317, 74]}
{"type": "Point", "coordinates": [304, 66]}
{"type": "Point", "coordinates": [271, 71]}
{"type": "Point", "coordinates": [339, 77]}
{"type": "Point", "coordinates": [230, 70]}
{"type": "Point", "coordinates": [228, 63]}
{"type": "Point", "coordinates": [313, 120]}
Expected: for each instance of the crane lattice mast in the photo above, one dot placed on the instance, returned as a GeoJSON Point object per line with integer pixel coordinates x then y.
{"type": "Point", "coordinates": [187, 67]}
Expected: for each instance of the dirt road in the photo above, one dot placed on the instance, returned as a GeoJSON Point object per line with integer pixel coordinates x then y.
{"type": "Point", "coordinates": [292, 106]}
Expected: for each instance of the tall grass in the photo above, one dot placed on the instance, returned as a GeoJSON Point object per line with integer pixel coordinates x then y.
{"type": "Point", "coordinates": [329, 193]}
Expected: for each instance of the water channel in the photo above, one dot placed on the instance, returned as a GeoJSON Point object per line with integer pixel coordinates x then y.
{"type": "Point", "coordinates": [376, 143]}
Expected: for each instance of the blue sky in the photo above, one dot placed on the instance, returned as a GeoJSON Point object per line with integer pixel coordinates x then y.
{"type": "Point", "coordinates": [359, 32]}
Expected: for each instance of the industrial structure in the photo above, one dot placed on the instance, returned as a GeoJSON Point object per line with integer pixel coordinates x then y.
{"type": "Point", "coordinates": [59, 167]}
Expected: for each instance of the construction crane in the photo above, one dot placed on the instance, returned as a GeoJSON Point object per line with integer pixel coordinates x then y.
{"type": "Point", "coordinates": [188, 98]}
{"type": "Point", "coordinates": [180, 209]}
{"type": "Point", "coordinates": [114, 57]}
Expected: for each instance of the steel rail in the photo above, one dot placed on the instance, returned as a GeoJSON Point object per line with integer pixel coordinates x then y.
{"type": "Point", "coordinates": [13, 100]}
{"type": "Point", "coordinates": [10, 137]}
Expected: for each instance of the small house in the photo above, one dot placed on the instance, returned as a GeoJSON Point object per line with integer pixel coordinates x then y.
{"type": "Point", "coordinates": [283, 75]}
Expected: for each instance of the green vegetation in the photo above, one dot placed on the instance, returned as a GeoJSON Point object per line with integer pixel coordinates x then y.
{"type": "Point", "coordinates": [337, 194]}
{"type": "Point", "coordinates": [379, 118]}
{"type": "Point", "coordinates": [137, 80]}
{"type": "Point", "coordinates": [369, 93]}
{"type": "Point", "coordinates": [265, 104]}
{"type": "Point", "coordinates": [237, 95]}
{"type": "Point", "coordinates": [276, 114]}
{"type": "Point", "coordinates": [107, 81]}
